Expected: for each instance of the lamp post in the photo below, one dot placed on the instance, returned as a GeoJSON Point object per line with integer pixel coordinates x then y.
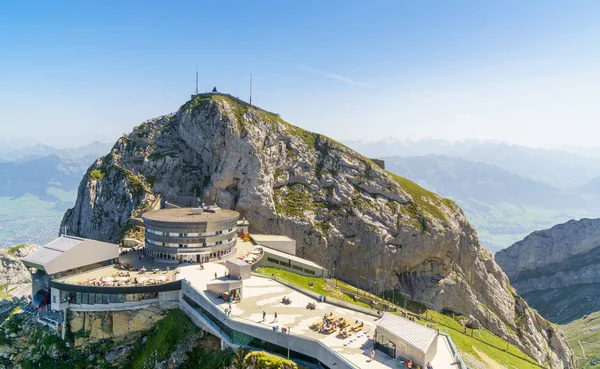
{"type": "Point", "coordinates": [288, 343]}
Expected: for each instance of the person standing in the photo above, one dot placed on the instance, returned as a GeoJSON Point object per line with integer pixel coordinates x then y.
{"type": "Point", "coordinates": [264, 315]}
{"type": "Point", "coordinates": [275, 317]}
{"type": "Point", "coordinates": [429, 366]}
{"type": "Point", "coordinates": [372, 353]}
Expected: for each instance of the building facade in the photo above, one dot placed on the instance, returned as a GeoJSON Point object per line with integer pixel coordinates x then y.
{"type": "Point", "coordinates": [198, 235]}
{"type": "Point", "coordinates": [400, 338]}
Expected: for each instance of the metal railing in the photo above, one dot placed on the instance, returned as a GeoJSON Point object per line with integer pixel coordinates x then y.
{"type": "Point", "coordinates": [459, 360]}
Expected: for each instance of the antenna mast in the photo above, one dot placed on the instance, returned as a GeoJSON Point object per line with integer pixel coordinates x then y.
{"type": "Point", "coordinates": [250, 89]}
{"type": "Point", "coordinates": [196, 79]}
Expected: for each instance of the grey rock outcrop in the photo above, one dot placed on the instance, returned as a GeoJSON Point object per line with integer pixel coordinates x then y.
{"type": "Point", "coordinates": [13, 274]}
{"type": "Point", "coordinates": [558, 269]}
{"type": "Point", "coordinates": [339, 206]}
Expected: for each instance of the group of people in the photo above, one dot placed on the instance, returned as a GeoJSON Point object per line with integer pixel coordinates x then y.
{"type": "Point", "coordinates": [311, 306]}
{"type": "Point", "coordinates": [264, 316]}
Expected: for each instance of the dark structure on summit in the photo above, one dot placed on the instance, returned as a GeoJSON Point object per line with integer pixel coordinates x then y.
{"type": "Point", "coordinates": [214, 89]}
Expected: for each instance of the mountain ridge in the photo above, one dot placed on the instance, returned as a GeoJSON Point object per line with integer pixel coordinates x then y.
{"type": "Point", "coordinates": [340, 207]}
{"type": "Point", "coordinates": [557, 269]}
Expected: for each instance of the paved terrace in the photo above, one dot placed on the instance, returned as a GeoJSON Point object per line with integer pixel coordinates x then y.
{"type": "Point", "coordinates": [265, 294]}
{"type": "Point", "coordinates": [162, 276]}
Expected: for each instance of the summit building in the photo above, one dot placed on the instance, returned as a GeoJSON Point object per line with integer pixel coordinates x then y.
{"type": "Point", "coordinates": [191, 234]}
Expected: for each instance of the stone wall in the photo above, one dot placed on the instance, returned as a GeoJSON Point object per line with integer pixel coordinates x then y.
{"type": "Point", "coordinates": [88, 327]}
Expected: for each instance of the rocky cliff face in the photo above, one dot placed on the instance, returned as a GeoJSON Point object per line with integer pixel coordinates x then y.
{"type": "Point", "coordinates": [15, 279]}
{"type": "Point", "coordinates": [557, 270]}
{"type": "Point", "coordinates": [340, 207]}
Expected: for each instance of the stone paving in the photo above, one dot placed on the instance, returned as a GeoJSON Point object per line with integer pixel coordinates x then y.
{"type": "Point", "coordinates": [264, 294]}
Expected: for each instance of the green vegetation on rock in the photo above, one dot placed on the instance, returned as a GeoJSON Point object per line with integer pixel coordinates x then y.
{"type": "Point", "coordinates": [297, 200]}
{"type": "Point", "coordinates": [135, 184]}
{"type": "Point", "coordinates": [265, 360]}
{"type": "Point", "coordinates": [13, 250]}
{"type": "Point", "coordinates": [97, 174]}
{"type": "Point", "coordinates": [425, 200]}
{"type": "Point", "coordinates": [162, 341]}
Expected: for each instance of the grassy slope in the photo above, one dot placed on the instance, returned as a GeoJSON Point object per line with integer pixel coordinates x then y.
{"type": "Point", "coordinates": [585, 332]}
{"type": "Point", "coordinates": [465, 343]}
{"type": "Point", "coordinates": [471, 345]}
{"type": "Point", "coordinates": [320, 286]}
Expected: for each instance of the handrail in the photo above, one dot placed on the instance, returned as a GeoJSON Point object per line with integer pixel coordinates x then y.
{"type": "Point", "coordinates": [454, 349]}
{"type": "Point", "coordinates": [243, 320]}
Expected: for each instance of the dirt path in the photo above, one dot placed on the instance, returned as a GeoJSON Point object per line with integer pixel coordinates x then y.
{"type": "Point", "coordinates": [489, 362]}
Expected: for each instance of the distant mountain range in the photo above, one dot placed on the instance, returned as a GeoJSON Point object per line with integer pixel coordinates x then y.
{"type": "Point", "coordinates": [507, 191]}
{"type": "Point", "coordinates": [557, 168]}
{"type": "Point", "coordinates": [37, 184]}
{"type": "Point", "coordinates": [87, 152]}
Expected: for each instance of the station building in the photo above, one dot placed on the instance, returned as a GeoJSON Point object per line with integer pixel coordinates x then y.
{"type": "Point", "coordinates": [400, 338]}
{"type": "Point", "coordinates": [67, 256]}
{"type": "Point", "coordinates": [200, 235]}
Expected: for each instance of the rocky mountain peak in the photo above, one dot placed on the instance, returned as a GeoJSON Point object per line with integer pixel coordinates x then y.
{"type": "Point", "coordinates": [380, 230]}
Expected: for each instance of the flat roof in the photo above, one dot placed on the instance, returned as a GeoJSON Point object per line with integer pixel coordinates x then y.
{"type": "Point", "coordinates": [185, 215]}
{"type": "Point", "coordinates": [68, 252]}
{"type": "Point", "coordinates": [236, 262]}
{"type": "Point", "coordinates": [416, 335]}
{"type": "Point", "coordinates": [258, 238]}
{"type": "Point", "coordinates": [281, 254]}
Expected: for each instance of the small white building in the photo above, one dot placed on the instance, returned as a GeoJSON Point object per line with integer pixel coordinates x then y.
{"type": "Point", "coordinates": [402, 338]}
{"type": "Point", "coordinates": [275, 242]}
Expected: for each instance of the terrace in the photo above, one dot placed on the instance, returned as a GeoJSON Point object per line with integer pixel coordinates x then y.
{"type": "Point", "coordinates": [264, 294]}
{"type": "Point", "coordinates": [132, 273]}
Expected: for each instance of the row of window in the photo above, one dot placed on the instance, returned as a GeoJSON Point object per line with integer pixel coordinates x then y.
{"type": "Point", "coordinates": [176, 234]}
{"type": "Point", "coordinates": [86, 298]}
{"type": "Point", "coordinates": [205, 257]}
{"type": "Point", "coordinates": [297, 267]}
{"type": "Point", "coordinates": [184, 245]}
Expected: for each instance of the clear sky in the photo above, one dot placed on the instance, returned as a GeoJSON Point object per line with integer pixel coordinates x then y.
{"type": "Point", "coordinates": [521, 71]}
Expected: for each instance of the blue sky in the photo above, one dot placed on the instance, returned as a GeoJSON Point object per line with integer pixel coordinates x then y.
{"type": "Point", "coordinates": [521, 71]}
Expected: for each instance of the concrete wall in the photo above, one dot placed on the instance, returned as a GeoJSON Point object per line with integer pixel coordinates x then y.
{"type": "Point", "coordinates": [287, 246]}
{"type": "Point", "coordinates": [239, 270]}
{"type": "Point", "coordinates": [431, 351]}
{"type": "Point", "coordinates": [301, 344]}
{"type": "Point", "coordinates": [56, 299]}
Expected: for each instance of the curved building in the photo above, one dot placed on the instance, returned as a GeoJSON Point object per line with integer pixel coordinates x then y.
{"type": "Point", "coordinates": [191, 234]}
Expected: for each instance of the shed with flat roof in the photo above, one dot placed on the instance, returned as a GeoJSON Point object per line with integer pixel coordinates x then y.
{"type": "Point", "coordinates": [238, 269]}
{"type": "Point", "coordinates": [276, 242]}
{"type": "Point", "coordinates": [402, 338]}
